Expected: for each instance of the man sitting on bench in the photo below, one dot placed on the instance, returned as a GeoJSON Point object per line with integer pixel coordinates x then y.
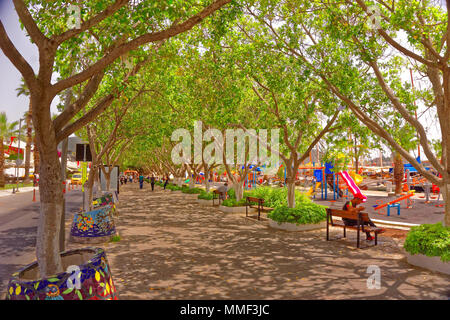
{"type": "Point", "coordinates": [223, 191]}
{"type": "Point", "coordinates": [353, 206]}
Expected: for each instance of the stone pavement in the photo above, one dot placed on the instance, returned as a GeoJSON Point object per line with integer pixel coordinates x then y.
{"type": "Point", "coordinates": [172, 248]}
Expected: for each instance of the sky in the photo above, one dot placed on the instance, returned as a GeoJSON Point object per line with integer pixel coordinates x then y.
{"type": "Point", "coordinates": [10, 77]}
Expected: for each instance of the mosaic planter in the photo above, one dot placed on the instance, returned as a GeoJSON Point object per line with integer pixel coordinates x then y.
{"type": "Point", "coordinates": [95, 226]}
{"type": "Point", "coordinates": [106, 200]}
{"type": "Point", "coordinates": [294, 227]}
{"type": "Point", "coordinates": [92, 269]}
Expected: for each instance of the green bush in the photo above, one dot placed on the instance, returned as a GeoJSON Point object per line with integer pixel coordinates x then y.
{"type": "Point", "coordinates": [304, 213]}
{"type": "Point", "coordinates": [231, 194]}
{"type": "Point", "coordinates": [432, 240]}
{"type": "Point", "coordinates": [230, 202]}
{"type": "Point", "coordinates": [276, 197]}
{"type": "Point", "coordinates": [115, 238]}
{"type": "Point", "coordinates": [205, 195]}
{"type": "Point", "coordinates": [192, 191]}
{"type": "Point", "coordinates": [173, 187]}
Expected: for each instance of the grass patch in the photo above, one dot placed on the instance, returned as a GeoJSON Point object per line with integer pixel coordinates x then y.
{"type": "Point", "coordinates": [115, 238]}
{"type": "Point", "coordinates": [21, 185]}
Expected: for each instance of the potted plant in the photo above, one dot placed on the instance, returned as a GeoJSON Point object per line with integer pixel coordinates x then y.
{"type": "Point", "coordinates": [231, 205]}
{"type": "Point", "coordinates": [428, 246]}
{"type": "Point", "coordinates": [95, 226]}
{"type": "Point", "coordinates": [88, 277]}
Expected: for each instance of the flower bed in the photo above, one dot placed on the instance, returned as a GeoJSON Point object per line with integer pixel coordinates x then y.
{"type": "Point", "coordinates": [308, 213]}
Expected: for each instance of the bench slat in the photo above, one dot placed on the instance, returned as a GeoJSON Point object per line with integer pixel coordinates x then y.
{"type": "Point", "coordinates": [347, 214]}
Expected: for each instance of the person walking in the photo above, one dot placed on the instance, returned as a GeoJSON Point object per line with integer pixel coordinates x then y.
{"type": "Point", "coordinates": [166, 182]}
{"type": "Point", "coordinates": [141, 181]}
{"type": "Point", "coordinates": [152, 182]}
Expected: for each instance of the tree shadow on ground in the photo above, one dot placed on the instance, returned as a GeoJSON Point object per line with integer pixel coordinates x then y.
{"type": "Point", "coordinates": [172, 248]}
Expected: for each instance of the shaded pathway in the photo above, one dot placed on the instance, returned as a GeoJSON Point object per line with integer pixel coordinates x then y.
{"type": "Point", "coordinates": [172, 248]}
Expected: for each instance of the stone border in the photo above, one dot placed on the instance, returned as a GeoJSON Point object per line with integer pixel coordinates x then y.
{"type": "Point", "coordinates": [193, 196]}
{"type": "Point", "coordinates": [286, 226]}
{"type": "Point", "coordinates": [236, 209]}
{"type": "Point", "coordinates": [430, 263]}
{"type": "Point", "coordinates": [204, 202]}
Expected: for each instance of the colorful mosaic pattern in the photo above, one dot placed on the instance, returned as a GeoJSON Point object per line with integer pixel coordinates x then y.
{"type": "Point", "coordinates": [106, 200]}
{"type": "Point", "coordinates": [92, 224]}
{"type": "Point", "coordinates": [95, 281]}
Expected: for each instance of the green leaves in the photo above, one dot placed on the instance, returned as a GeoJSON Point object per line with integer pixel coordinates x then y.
{"type": "Point", "coordinates": [432, 240]}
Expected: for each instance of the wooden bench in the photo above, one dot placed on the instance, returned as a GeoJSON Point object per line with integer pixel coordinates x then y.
{"type": "Point", "coordinates": [249, 203]}
{"type": "Point", "coordinates": [216, 195]}
{"type": "Point", "coordinates": [360, 217]}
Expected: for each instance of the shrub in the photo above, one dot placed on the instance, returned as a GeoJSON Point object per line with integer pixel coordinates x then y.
{"type": "Point", "coordinates": [115, 238]}
{"type": "Point", "coordinates": [304, 213]}
{"type": "Point", "coordinates": [205, 195]}
{"type": "Point", "coordinates": [231, 193]}
{"type": "Point", "coordinates": [192, 191]}
{"type": "Point", "coordinates": [277, 197]}
{"type": "Point", "coordinates": [432, 240]}
{"type": "Point", "coordinates": [233, 203]}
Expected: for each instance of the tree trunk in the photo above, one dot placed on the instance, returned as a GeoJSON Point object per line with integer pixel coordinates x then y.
{"type": "Point", "coordinates": [89, 188]}
{"type": "Point", "coordinates": [107, 178]}
{"type": "Point", "coordinates": [2, 163]}
{"type": "Point", "coordinates": [290, 192]}
{"type": "Point", "coordinates": [192, 181]}
{"type": "Point", "coordinates": [445, 190]}
{"type": "Point", "coordinates": [51, 198]}
{"type": "Point", "coordinates": [398, 173]}
{"type": "Point", "coordinates": [36, 156]}
{"type": "Point", "coordinates": [239, 190]}
{"type": "Point", "coordinates": [207, 184]}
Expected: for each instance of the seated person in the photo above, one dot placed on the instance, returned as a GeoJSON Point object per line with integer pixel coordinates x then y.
{"type": "Point", "coordinates": [353, 206]}
{"type": "Point", "coordinates": [223, 191]}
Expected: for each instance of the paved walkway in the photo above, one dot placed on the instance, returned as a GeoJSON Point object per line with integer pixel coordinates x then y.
{"type": "Point", "coordinates": [172, 248]}
{"type": "Point", "coordinates": [18, 228]}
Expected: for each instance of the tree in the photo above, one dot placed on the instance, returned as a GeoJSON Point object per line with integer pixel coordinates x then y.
{"type": "Point", "coordinates": [45, 26]}
{"type": "Point", "coordinates": [352, 56]}
{"type": "Point", "coordinates": [7, 130]}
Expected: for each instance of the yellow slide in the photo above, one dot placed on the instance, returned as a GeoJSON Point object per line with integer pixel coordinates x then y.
{"type": "Point", "coordinates": [313, 189]}
{"type": "Point", "coordinates": [356, 177]}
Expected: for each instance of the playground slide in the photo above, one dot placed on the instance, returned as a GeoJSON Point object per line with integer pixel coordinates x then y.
{"type": "Point", "coordinates": [313, 189]}
{"type": "Point", "coordinates": [358, 179]}
{"type": "Point", "coordinates": [352, 187]}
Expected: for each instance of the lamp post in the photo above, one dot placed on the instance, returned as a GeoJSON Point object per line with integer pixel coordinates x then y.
{"type": "Point", "coordinates": [18, 160]}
